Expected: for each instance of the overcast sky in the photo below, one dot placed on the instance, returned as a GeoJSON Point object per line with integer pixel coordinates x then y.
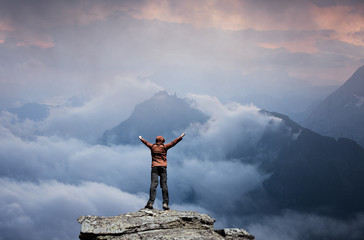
{"type": "Point", "coordinates": [52, 50]}
{"type": "Point", "coordinates": [112, 55]}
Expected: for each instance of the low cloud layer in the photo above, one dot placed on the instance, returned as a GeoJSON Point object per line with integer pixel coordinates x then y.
{"type": "Point", "coordinates": [49, 209]}
{"type": "Point", "coordinates": [29, 156]}
{"type": "Point", "coordinates": [199, 179]}
{"type": "Point", "coordinates": [295, 225]}
{"type": "Point", "coordinates": [231, 126]}
{"type": "Point", "coordinates": [48, 180]}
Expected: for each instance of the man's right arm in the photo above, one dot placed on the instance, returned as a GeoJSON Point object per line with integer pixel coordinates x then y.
{"type": "Point", "coordinates": [148, 144]}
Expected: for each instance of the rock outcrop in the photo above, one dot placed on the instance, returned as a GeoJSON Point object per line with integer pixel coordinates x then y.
{"type": "Point", "coordinates": [156, 224]}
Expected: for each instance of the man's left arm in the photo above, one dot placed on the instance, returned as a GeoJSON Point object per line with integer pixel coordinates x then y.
{"type": "Point", "coordinates": [175, 141]}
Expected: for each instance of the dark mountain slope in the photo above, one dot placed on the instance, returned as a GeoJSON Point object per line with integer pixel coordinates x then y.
{"type": "Point", "coordinates": [341, 114]}
{"type": "Point", "coordinates": [310, 172]}
{"type": "Point", "coordinates": [319, 173]}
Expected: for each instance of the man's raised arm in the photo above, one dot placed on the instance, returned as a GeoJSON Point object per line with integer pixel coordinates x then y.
{"type": "Point", "coordinates": [175, 141]}
{"type": "Point", "coordinates": [148, 144]}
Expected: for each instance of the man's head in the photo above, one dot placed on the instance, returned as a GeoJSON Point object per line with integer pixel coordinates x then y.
{"type": "Point", "coordinates": [160, 140]}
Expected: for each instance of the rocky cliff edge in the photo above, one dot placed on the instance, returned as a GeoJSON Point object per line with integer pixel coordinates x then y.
{"type": "Point", "coordinates": [156, 224]}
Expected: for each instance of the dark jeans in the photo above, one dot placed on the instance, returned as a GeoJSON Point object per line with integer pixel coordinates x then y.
{"type": "Point", "coordinates": [162, 173]}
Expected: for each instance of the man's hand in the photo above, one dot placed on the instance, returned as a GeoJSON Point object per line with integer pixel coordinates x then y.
{"type": "Point", "coordinates": [140, 137]}
{"type": "Point", "coordinates": [183, 134]}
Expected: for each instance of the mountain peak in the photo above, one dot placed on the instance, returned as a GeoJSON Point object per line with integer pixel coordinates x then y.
{"type": "Point", "coordinates": [360, 70]}
{"type": "Point", "coordinates": [157, 224]}
{"type": "Point", "coordinates": [32, 111]}
{"type": "Point", "coordinates": [355, 84]}
{"type": "Point", "coordinates": [162, 93]}
{"type": "Point", "coordinates": [341, 113]}
{"type": "Point", "coordinates": [163, 114]}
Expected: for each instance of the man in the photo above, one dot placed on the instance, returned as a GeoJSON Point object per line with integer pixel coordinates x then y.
{"type": "Point", "coordinates": [159, 168]}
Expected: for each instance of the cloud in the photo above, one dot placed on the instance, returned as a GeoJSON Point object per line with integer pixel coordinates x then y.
{"type": "Point", "coordinates": [345, 20]}
{"type": "Point", "coordinates": [47, 181]}
{"type": "Point", "coordinates": [46, 14]}
{"type": "Point", "coordinates": [178, 57]}
{"type": "Point", "coordinates": [213, 185]}
{"type": "Point", "coordinates": [236, 15]}
{"type": "Point", "coordinates": [72, 160]}
{"type": "Point", "coordinates": [295, 225]}
{"type": "Point", "coordinates": [49, 209]}
{"type": "Point", "coordinates": [41, 173]}
{"type": "Point", "coordinates": [232, 126]}
{"type": "Point", "coordinates": [262, 15]}
{"type": "Point", "coordinates": [108, 106]}
{"type": "Point", "coordinates": [338, 47]}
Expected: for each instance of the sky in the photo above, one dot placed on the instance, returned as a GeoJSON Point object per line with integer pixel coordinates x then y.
{"type": "Point", "coordinates": [263, 52]}
{"type": "Point", "coordinates": [229, 58]}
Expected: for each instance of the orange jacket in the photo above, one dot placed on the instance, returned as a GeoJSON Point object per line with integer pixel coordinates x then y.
{"type": "Point", "coordinates": [159, 150]}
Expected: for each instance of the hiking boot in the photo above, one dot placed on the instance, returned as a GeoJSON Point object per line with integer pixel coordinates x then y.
{"type": "Point", "coordinates": [149, 206]}
{"type": "Point", "coordinates": [165, 206]}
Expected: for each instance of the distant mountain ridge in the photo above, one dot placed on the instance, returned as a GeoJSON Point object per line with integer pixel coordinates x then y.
{"type": "Point", "coordinates": [32, 111]}
{"type": "Point", "coordinates": [39, 112]}
{"type": "Point", "coordinates": [341, 114]}
{"type": "Point", "coordinates": [163, 115]}
{"type": "Point", "coordinates": [317, 173]}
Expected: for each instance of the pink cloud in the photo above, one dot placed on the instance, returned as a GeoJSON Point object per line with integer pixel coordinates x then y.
{"type": "Point", "coordinates": [227, 15]}
{"type": "Point", "coordinates": [41, 44]}
{"type": "Point", "coordinates": [5, 26]}
{"type": "Point", "coordinates": [86, 13]}
{"type": "Point", "coordinates": [234, 15]}
{"type": "Point", "coordinates": [198, 13]}
{"type": "Point", "coordinates": [345, 20]}
{"type": "Point", "coordinates": [33, 38]}
{"type": "Point", "coordinates": [2, 37]}
{"type": "Point", "coordinates": [307, 45]}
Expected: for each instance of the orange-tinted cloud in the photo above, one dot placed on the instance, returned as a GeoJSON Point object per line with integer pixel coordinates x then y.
{"type": "Point", "coordinates": [347, 21]}
{"type": "Point", "coordinates": [229, 14]}
{"type": "Point", "coordinates": [5, 26]}
{"type": "Point", "coordinates": [39, 43]}
{"type": "Point", "coordinates": [2, 37]}
{"type": "Point", "coordinates": [307, 45]}
{"type": "Point", "coordinates": [27, 38]}
{"type": "Point", "coordinates": [203, 13]}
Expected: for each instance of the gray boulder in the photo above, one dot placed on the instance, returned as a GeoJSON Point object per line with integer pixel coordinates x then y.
{"type": "Point", "coordinates": [156, 224]}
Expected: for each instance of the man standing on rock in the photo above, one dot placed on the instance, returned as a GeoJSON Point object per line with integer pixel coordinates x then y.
{"type": "Point", "coordinates": [159, 168]}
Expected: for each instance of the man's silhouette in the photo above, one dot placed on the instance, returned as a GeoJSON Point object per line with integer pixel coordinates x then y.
{"type": "Point", "coordinates": [159, 168]}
